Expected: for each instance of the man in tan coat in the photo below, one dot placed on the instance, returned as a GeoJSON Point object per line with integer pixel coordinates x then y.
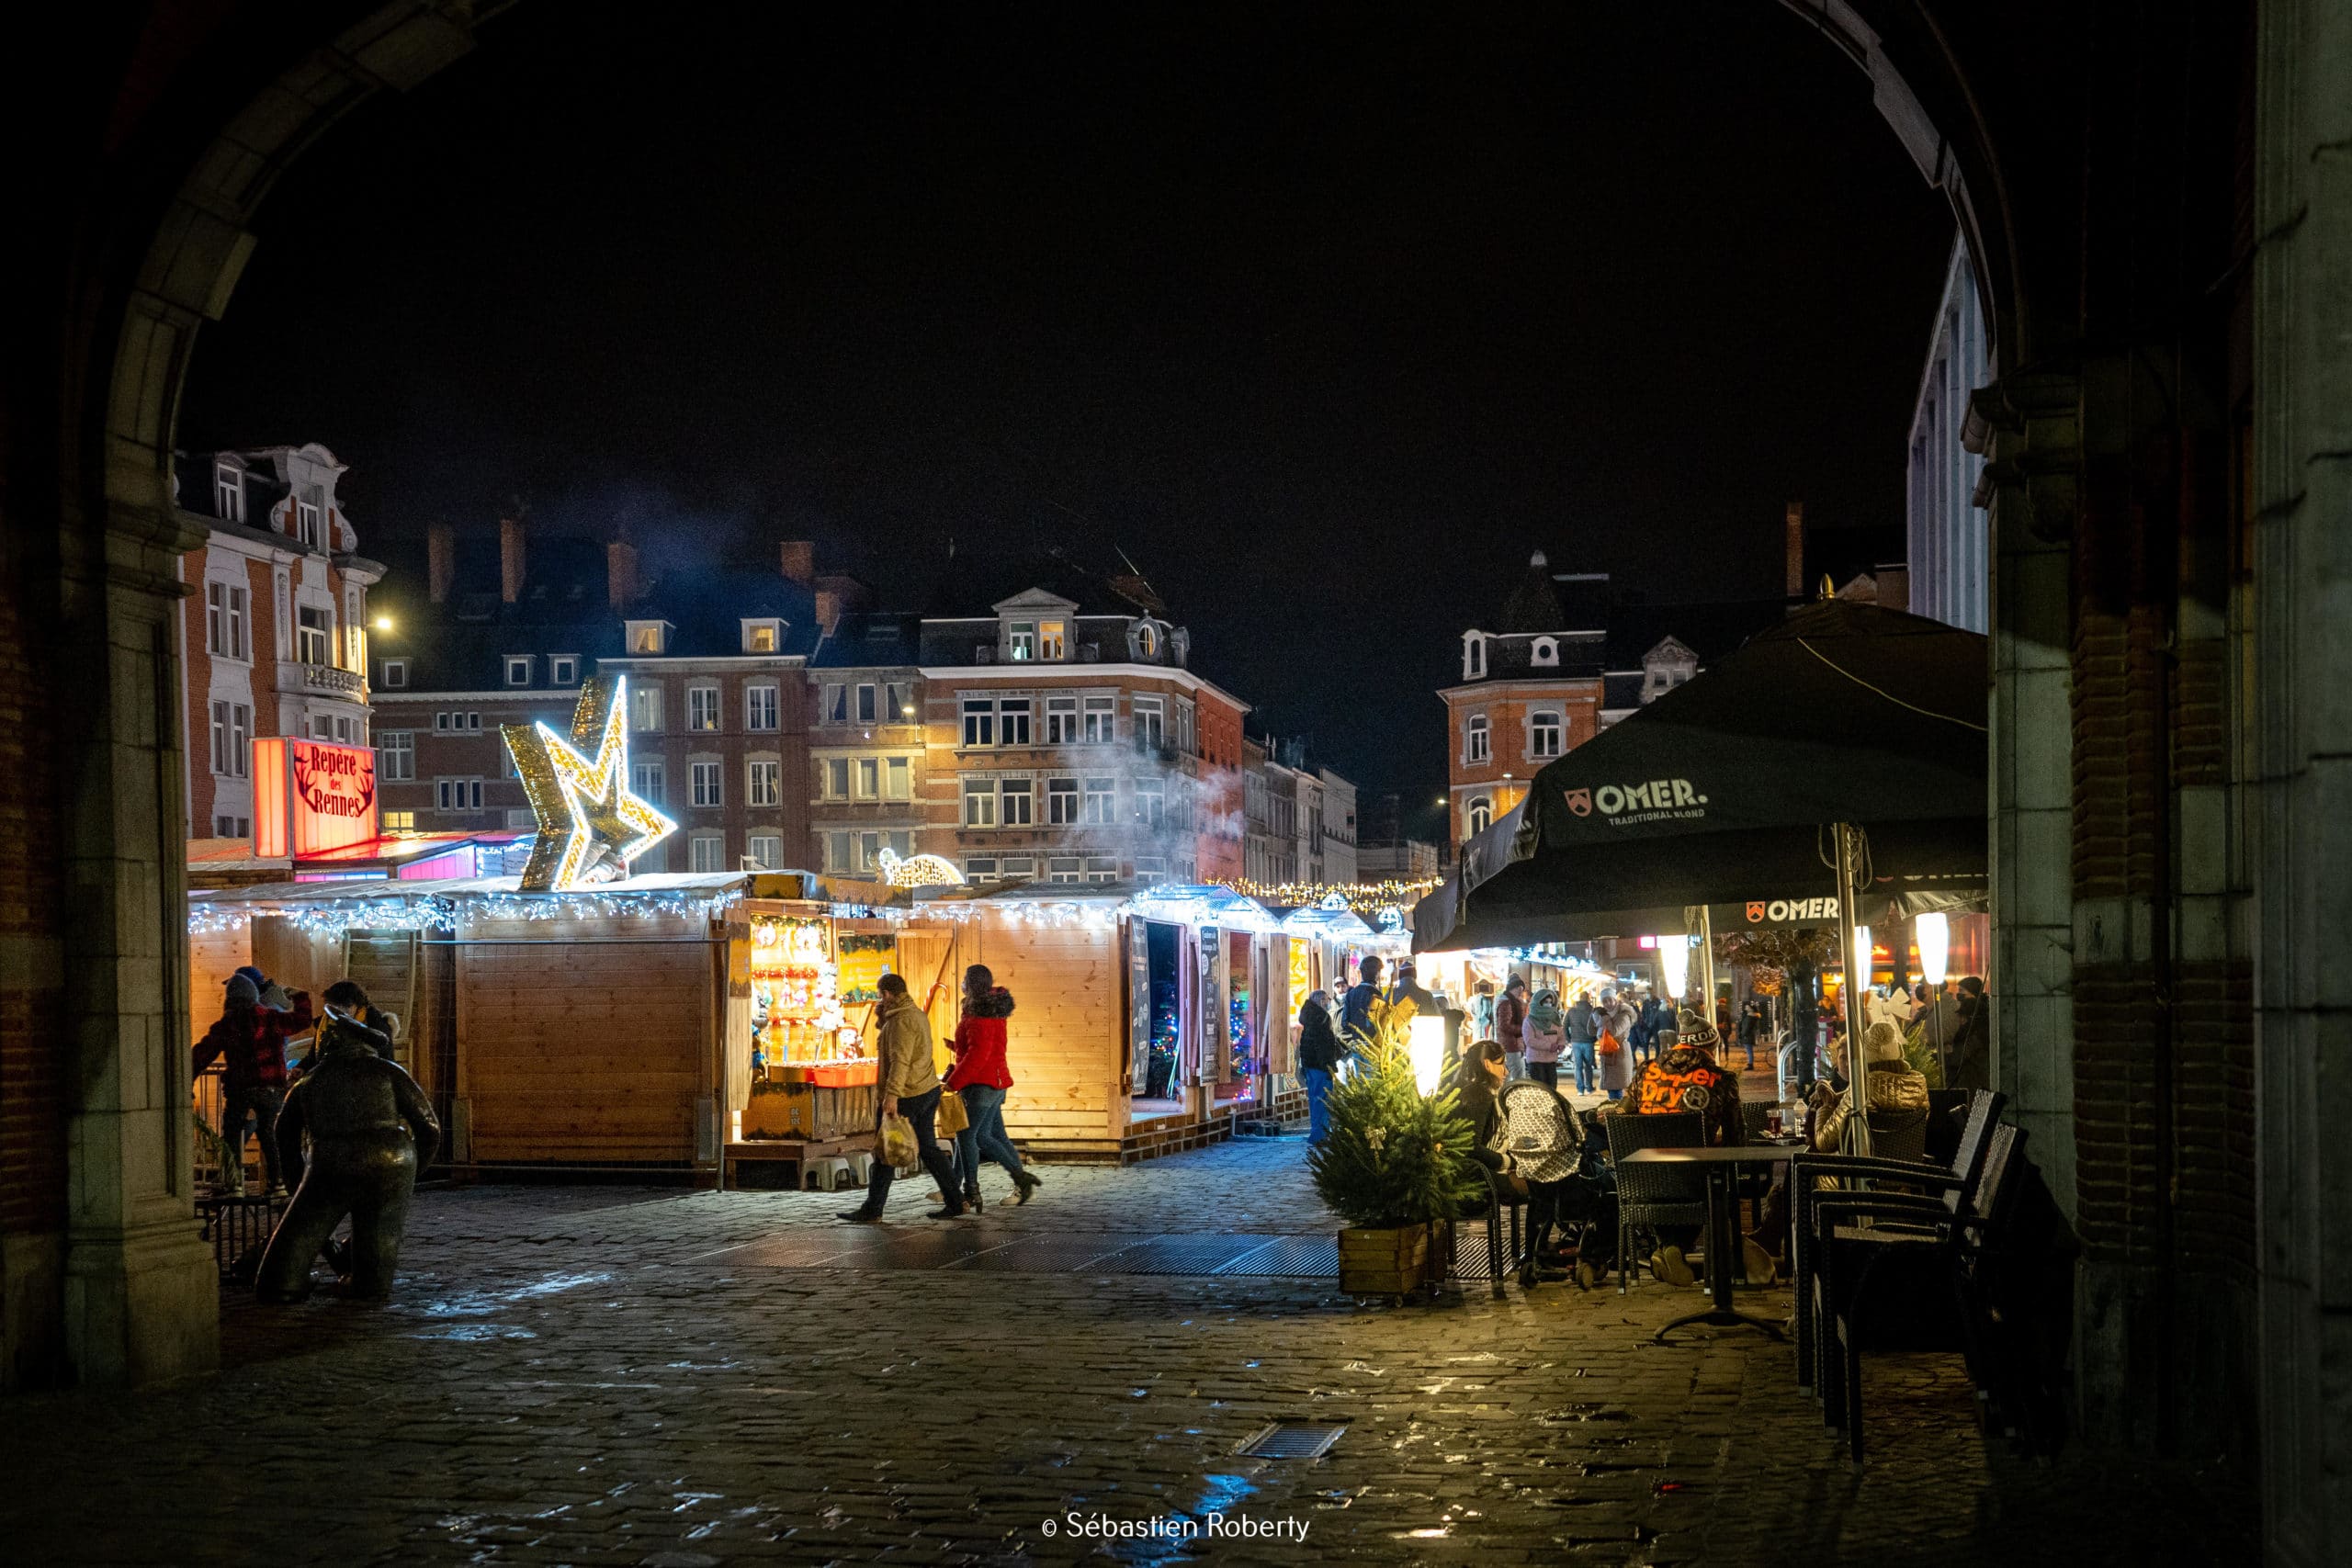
{"type": "Point", "coordinates": [906, 1084]}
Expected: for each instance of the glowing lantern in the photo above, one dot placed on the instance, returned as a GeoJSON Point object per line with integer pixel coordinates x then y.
{"type": "Point", "coordinates": [1673, 961]}
{"type": "Point", "coordinates": [1933, 933]}
{"type": "Point", "coordinates": [1426, 1049]}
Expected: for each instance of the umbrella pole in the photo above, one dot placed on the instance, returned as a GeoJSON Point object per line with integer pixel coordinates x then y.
{"type": "Point", "coordinates": [1858, 1065]}
{"type": "Point", "coordinates": [1707, 972]}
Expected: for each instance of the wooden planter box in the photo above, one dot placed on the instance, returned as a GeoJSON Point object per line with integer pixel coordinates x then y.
{"type": "Point", "coordinates": [1387, 1262]}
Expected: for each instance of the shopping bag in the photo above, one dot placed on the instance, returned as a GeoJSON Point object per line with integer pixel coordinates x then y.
{"type": "Point", "coordinates": [953, 1118]}
{"type": "Point", "coordinates": [897, 1145]}
{"type": "Point", "coordinates": [1608, 1044]}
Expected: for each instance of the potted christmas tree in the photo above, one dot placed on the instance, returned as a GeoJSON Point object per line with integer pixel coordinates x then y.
{"type": "Point", "coordinates": [1395, 1168]}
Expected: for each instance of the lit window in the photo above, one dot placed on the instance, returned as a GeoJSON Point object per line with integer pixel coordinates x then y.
{"type": "Point", "coordinates": [1061, 721]}
{"type": "Point", "coordinates": [1101, 720]}
{"type": "Point", "coordinates": [1543, 735]}
{"type": "Point", "coordinates": [707, 851]}
{"type": "Point", "coordinates": [702, 707]}
{"type": "Point", "coordinates": [1018, 803]}
{"type": "Point", "coordinates": [395, 673]}
{"type": "Point", "coordinates": [645, 636]}
{"type": "Point", "coordinates": [518, 670]}
{"type": "Point", "coordinates": [762, 780]}
{"type": "Point", "coordinates": [1148, 639]}
{"type": "Point", "coordinates": [897, 778]}
{"type": "Point", "coordinates": [979, 722]}
{"type": "Point", "coordinates": [645, 706]}
{"type": "Point", "coordinates": [1021, 640]}
{"type": "Point", "coordinates": [563, 669]}
{"type": "Point", "coordinates": [1101, 794]}
{"type": "Point", "coordinates": [979, 802]}
{"type": "Point", "coordinates": [313, 633]}
{"type": "Point", "coordinates": [703, 783]}
{"type": "Point", "coordinates": [396, 756]}
{"type": "Point", "coordinates": [759, 706]}
{"type": "Point", "coordinates": [1482, 813]}
{"type": "Point", "coordinates": [645, 780]}
{"type": "Point", "coordinates": [1474, 739]}
{"type": "Point", "coordinates": [1062, 803]}
{"type": "Point", "coordinates": [229, 492]}
{"type": "Point", "coordinates": [762, 636]}
{"type": "Point", "coordinates": [399, 821]}
{"type": "Point", "coordinates": [1051, 644]}
{"type": "Point", "coordinates": [1014, 721]}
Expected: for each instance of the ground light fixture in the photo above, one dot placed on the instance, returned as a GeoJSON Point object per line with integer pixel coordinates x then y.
{"type": "Point", "coordinates": [1673, 961]}
{"type": "Point", "coordinates": [1933, 934]}
{"type": "Point", "coordinates": [1426, 1047]}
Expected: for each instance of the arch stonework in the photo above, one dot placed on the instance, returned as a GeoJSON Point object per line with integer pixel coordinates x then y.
{"type": "Point", "coordinates": [2133, 885]}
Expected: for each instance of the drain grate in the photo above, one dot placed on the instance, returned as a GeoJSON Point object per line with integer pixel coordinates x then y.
{"type": "Point", "coordinates": [1293, 1440]}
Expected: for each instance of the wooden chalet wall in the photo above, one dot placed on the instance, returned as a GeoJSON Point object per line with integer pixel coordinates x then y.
{"type": "Point", "coordinates": [213, 957]}
{"type": "Point", "coordinates": [587, 1041]}
{"type": "Point", "coordinates": [1063, 1044]}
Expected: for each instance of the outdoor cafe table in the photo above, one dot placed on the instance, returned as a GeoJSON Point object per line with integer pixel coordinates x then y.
{"type": "Point", "coordinates": [1722, 1211]}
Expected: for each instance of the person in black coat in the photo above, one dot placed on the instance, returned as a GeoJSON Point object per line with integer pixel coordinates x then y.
{"type": "Point", "coordinates": [1319, 1058]}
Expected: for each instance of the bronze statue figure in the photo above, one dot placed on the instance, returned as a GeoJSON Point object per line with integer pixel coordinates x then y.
{"type": "Point", "coordinates": [371, 1131]}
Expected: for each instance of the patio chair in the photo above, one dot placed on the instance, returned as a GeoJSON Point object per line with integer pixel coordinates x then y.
{"type": "Point", "coordinates": [1947, 1187]}
{"type": "Point", "coordinates": [1654, 1195]}
{"type": "Point", "coordinates": [1951, 1269]}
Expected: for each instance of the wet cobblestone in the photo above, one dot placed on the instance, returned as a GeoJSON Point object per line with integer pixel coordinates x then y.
{"type": "Point", "coordinates": [580, 1374]}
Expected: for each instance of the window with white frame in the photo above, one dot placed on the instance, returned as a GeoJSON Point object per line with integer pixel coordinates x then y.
{"type": "Point", "coordinates": [1020, 803]}
{"type": "Point", "coordinates": [232, 737]}
{"type": "Point", "coordinates": [868, 703]}
{"type": "Point", "coordinates": [563, 669]}
{"type": "Point", "coordinates": [456, 793]}
{"type": "Point", "coordinates": [1061, 721]}
{"type": "Point", "coordinates": [1474, 746]}
{"type": "Point", "coordinates": [1065, 868]}
{"type": "Point", "coordinates": [1182, 719]}
{"type": "Point", "coordinates": [1013, 721]}
{"type": "Point", "coordinates": [396, 756]}
{"type": "Point", "coordinates": [897, 778]}
{"type": "Point", "coordinates": [980, 721]}
{"type": "Point", "coordinates": [1473, 656]}
{"type": "Point", "coordinates": [1101, 720]}
{"type": "Point", "coordinates": [645, 706]}
{"type": "Point", "coordinates": [1053, 645]}
{"type": "Point", "coordinates": [1062, 803]}
{"type": "Point", "coordinates": [866, 778]}
{"type": "Point", "coordinates": [899, 699]}
{"type": "Point", "coordinates": [224, 620]}
{"type": "Point", "coordinates": [762, 781]}
{"type": "Point", "coordinates": [308, 525]}
{"type": "Point", "coordinates": [1150, 718]}
{"type": "Point", "coordinates": [762, 636]}
{"type": "Point", "coordinates": [1101, 797]}
{"type": "Point", "coordinates": [395, 675]}
{"type": "Point", "coordinates": [1021, 641]}
{"type": "Point", "coordinates": [1146, 639]}
{"type": "Point", "coordinates": [759, 705]}
{"type": "Point", "coordinates": [979, 802]}
{"type": "Point", "coordinates": [647, 636]}
{"type": "Point", "coordinates": [980, 869]}
{"type": "Point", "coordinates": [313, 633]}
{"type": "Point", "coordinates": [832, 778]}
{"type": "Point", "coordinates": [1545, 653]}
{"type": "Point", "coordinates": [707, 851]}
{"type": "Point", "coordinates": [901, 843]}
{"type": "Point", "coordinates": [1481, 814]}
{"type": "Point", "coordinates": [1017, 868]}
{"type": "Point", "coordinates": [1101, 868]}
{"type": "Point", "coordinates": [1150, 869]}
{"type": "Point", "coordinates": [518, 669]}
{"type": "Point", "coordinates": [229, 492]}
{"type": "Point", "coordinates": [703, 783]}
{"type": "Point", "coordinates": [765, 851]}
{"type": "Point", "coordinates": [647, 780]}
{"type": "Point", "coordinates": [1151, 802]}
{"type": "Point", "coordinates": [1546, 730]}
{"type": "Point", "coordinates": [840, 851]}
{"type": "Point", "coordinates": [869, 851]}
{"type": "Point", "coordinates": [702, 707]}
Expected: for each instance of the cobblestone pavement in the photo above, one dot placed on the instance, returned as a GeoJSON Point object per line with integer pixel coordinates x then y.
{"type": "Point", "coordinates": [580, 1374]}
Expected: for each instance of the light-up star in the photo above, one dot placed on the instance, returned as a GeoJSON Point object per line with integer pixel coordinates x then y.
{"type": "Point", "coordinates": [590, 826]}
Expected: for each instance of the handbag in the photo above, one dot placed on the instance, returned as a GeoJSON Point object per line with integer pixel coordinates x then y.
{"type": "Point", "coordinates": [952, 1118]}
{"type": "Point", "coordinates": [1608, 1044]}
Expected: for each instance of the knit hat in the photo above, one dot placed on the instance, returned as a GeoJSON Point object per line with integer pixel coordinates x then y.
{"type": "Point", "coordinates": [252, 972]}
{"type": "Point", "coordinates": [242, 989]}
{"type": "Point", "coordinates": [1882, 1042]}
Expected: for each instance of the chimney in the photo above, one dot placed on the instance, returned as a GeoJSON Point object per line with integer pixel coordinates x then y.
{"type": "Point", "coordinates": [440, 561]}
{"type": "Point", "coordinates": [509, 555]}
{"type": "Point", "coordinates": [829, 610]}
{"type": "Point", "coordinates": [838, 594]}
{"type": "Point", "coordinates": [1796, 549]}
{"type": "Point", "coordinates": [800, 561]}
{"type": "Point", "coordinates": [620, 572]}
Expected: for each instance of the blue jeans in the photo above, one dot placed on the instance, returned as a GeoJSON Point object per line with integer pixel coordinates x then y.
{"type": "Point", "coordinates": [1318, 1114]}
{"type": "Point", "coordinates": [984, 1137]}
{"type": "Point", "coordinates": [1588, 1068]}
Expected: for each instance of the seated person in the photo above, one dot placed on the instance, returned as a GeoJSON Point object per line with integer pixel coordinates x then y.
{"type": "Point", "coordinates": [1896, 1091]}
{"type": "Point", "coordinates": [1684, 1077]}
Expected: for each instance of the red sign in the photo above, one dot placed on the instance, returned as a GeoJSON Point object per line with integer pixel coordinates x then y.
{"type": "Point", "coordinates": [310, 795]}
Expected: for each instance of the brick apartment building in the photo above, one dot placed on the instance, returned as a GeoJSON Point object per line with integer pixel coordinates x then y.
{"type": "Point", "coordinates": [867, 788]}
{"type": "Point", "coordinates": [274, 633]}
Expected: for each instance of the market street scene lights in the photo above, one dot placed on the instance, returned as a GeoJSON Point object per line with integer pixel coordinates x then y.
{"type": "Point", "coordinates": [1301, 658]}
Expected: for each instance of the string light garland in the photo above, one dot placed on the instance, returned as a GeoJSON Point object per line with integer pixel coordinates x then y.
{"type": "Point", "coordinates": [433, 912]}
{"type": "Point", "coordinates": [592, 825]}
{"type": "Point", "coordinates": [1363, 897]}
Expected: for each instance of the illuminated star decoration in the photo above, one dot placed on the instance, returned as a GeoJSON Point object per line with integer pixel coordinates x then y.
{"type": "Point", "coordinates": [918, 871]}
{"type": "Point", "coordinates": [590, 826]}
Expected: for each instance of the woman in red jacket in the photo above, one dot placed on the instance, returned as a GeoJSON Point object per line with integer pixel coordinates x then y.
{"type": "Point", "coordinates": [980, 1079]}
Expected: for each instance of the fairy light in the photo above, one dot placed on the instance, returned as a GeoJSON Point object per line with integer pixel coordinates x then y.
{"type": "Point", "coordinates": [1364, 897]}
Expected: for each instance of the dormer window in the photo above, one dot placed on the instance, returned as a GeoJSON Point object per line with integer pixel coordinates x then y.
{"type": "Point", "coordinates": [518, 669]}
{"type": "Point", "coordinates": [229, 492]}
{"type": "Point", "coordinates": [309, 531]}
{"type": "Point", "coordinates": [1021, 641]}
{"type": "Point", "coordinates": [1180, 645]}
{"type": "Point", "coordinates": [763, 636]}
{"type": "Point", "coordinates": [1545, 653]}
{"type": "Point", "coordinates": [1146, 639]}
{"type": "Point", "coordinates": [648, 636]}
{"type": "Point", "coordinates": [1473, 656]}
{"type": "Point", "coordinates": [563, 669]}
{"type": "Point", "coordinates": [1053, 643]}
{"type": "Point", "coordinates": [395, 673]}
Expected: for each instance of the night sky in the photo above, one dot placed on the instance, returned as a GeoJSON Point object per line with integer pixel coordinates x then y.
{"type": "Point", "coordinates": [1327, 315]}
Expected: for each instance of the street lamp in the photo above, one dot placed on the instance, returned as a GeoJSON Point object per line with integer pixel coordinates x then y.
{"type": "Point", "coordinates": [383, 623]}
{"type": "Point", "coordinates": [1673, 961]}
{"type": "Point", "coordinates": [1933, 933]}
{"type": "Point", "coordinates": [1426, 1048]}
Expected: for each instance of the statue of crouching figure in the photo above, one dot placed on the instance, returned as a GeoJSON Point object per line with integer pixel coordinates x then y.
{"type": "Point", "coordinates": [370, 1130]}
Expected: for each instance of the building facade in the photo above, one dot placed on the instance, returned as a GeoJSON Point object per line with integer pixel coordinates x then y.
{"type": "Point", "coordinates": [1529, 690]}
{"type": "Point", "coordinates": [869, 784]}
{"type": "Point", "coordinates": [274, 633]}
{"type": "Point", "coordinates": [1948, 538]}
{"type": "Point", "coordinates": [1335, 829]}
